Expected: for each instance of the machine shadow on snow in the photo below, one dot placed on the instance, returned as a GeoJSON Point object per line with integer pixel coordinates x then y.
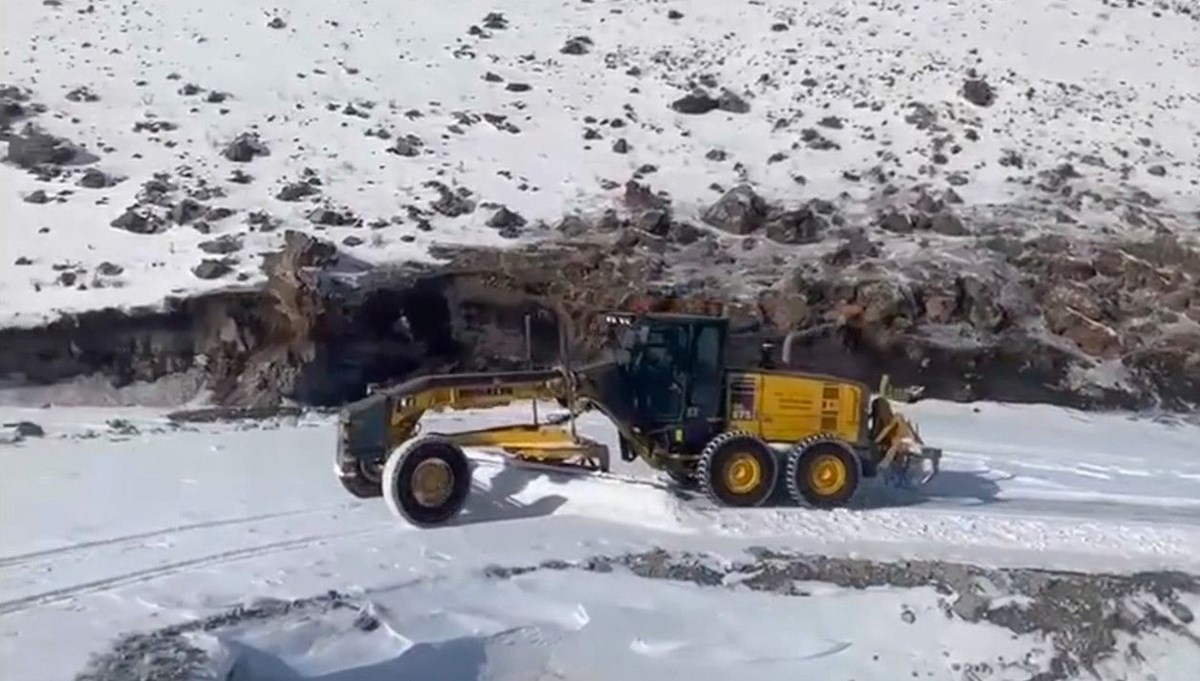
{"type": "Point", "coordinates": [495, 503]}
{"type": "Point", "coordinates": [955, 486]}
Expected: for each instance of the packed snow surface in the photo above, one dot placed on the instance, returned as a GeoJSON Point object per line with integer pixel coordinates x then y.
{"type": "Point", "coordinates": [118, 522]}
{"type": "Point", "coordinates": [547, 107]}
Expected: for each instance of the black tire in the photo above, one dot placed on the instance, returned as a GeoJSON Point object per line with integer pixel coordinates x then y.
{"type": "Point", "coordinates": [822, 471]}
{"type": "Point", "coordinates": [399, 480]}
{"type": "Point", "coordinates": [725, 450]}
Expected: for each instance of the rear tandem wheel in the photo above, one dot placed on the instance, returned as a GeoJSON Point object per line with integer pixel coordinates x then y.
{"type": "Point", "coordinates": [426, 480]}
{"type": "Point", "coordinates": [823, 471]}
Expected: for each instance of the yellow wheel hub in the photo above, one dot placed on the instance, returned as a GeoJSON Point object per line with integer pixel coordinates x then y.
{"type": "Point", "coordinates": [743, 474]}
{"type": "Point", "coordinates": [827, 475]}
{"type": "Point", "coordinates": [432, 482]}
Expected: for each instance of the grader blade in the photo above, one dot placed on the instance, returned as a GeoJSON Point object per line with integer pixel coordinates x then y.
{"type": "Point", "coordinates": [538, 443]}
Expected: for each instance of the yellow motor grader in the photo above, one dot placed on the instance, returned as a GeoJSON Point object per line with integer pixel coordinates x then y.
{"type": "Point", "coordinates": [740, 434]}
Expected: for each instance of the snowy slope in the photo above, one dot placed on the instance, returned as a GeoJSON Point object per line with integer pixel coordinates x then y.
{"type": "Point", "coordinates": [118, 527]}
{"type": "Point", "coordinates": [524, 109]}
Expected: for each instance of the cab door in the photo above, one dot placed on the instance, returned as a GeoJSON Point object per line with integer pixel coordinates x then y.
{"type": "Point", "coordinates": [660, 376]}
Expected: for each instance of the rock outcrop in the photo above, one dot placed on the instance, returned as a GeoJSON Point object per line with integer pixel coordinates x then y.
{"type": "Point", "coordinates": [987, 316]}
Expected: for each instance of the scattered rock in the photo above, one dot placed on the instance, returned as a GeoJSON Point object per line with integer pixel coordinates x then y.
{"type": "Point", "coordinates": [277, 23]}
{"type": "Point", "coordinates": [638, 196]}
{"type": "Point", "coordinates": [95, 179]}
{"type": "Point", "coordinates": [621, 146]}
{"type": "Point", "coordinates": [656, 222]}
{"type": "Point", "coordinates": [37, 196]}
{"type": "Point", "coordinates": [801, 226]}
{"type": "Point", "coordinates": [157, 191]}
{"type": "Point", "coordinates": [109, 269]}
{"type": "Point", "coordinates": [409, 145]}
{"type": "Point", "coordinates": [816, 141]}
{"type": "Point", "coordinates": [1157, 170]}
{"type": "Point", "coordinates": [855, 247]}
{"type": "Point", "coordinates": [14, 106]}
{"type": "Point", "coordinates": [34, 148]}
{"type": "Point", "coordinates": [948, 224]}
{"type": "Point", "coordinates": [186, 210]}
{"type": "Point", "coordinates": [450, 203]}
{"type": "Point", "coordinates": [577, 45]}
{"type": "Point", "coordinates": [506, 220]}
{"type": "Point", "coordinates": [154, 126]}
{"type": "Point", "coordinates": [140, 222]}
{"type": "Point", "coordinates": [239, 176]}
{"type": "Point", "coordinates": [212, 269]}
{"type": "Point", "coordinates": [695, 103]}
{"type": "Point", "coordinates": [495, 21]}
{"type": "Point", "coordinates": [218, 213]}
{"type": "Point", "coordinates": [82, 94]}
{"type": "Point", "coordinates": [222, 245]}
{"type": "Point", "coordinates": [739, 211]}
{"type": "Point", "coordinates": [732, 102]}
{"type": "Point", "coordinates": [328, 217]}
{"type": "Point", "coordinates": [978, 92]}
{"type": "Point", "coordinates": [296, 191]}
{"type": "Point", "coordinates": [572, 226]}
{"type": "Point", "coordinates": [262, 221]}
{"type": "Point", "coordinates": [898, 223]}
{"type": "Point", "coordinates": [245, 148]}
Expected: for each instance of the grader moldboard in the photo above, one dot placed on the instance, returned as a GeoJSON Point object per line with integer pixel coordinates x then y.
{"type": "Point", "coordinates": [737, 433]}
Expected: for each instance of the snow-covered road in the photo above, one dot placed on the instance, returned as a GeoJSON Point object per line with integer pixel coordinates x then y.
{"type": "Point", "coordinates": [108, 532]}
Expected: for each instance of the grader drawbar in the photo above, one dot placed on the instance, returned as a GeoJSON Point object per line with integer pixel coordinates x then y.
{"type": "Point", "coordinates": [740, 434]}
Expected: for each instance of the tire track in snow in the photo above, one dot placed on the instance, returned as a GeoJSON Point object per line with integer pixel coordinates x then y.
{"type": "Point", "coordinates": [22, 558]}
{"type": "Point", "coordinates": [67, 593]}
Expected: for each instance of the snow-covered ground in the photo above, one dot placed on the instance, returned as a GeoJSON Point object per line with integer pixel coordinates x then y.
{"type": "Point", "coordinates": [108, 528]}
{"type": "Point", "coordinates": [494, 105]}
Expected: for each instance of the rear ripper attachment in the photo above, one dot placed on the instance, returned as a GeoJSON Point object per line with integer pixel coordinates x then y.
{"type": "Point", "coordinates": [740, 434]}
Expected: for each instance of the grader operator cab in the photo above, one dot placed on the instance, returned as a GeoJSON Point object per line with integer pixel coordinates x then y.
{"type": "Point", "coordinates": [740, 434]}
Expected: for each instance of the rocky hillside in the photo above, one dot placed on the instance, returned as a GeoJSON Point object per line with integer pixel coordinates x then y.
{"type": "Point", "coordinates": [996, 200]}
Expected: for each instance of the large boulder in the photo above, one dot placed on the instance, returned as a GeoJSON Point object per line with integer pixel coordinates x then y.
{"type": "Point", "coordinates": [739, 211]}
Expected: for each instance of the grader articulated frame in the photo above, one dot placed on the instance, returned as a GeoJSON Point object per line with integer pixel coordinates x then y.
{"type": "Point", "coordinates": [739, 433]}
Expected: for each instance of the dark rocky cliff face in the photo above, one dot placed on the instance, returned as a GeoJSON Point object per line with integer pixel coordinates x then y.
{"type": "Point", "coordinates": [324, 328]}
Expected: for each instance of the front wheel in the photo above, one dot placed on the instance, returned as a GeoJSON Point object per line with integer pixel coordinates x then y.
{"type": "Point", "coordinates": [426, 480]}
{"type": "Point", "coordinates": [738, 469]}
